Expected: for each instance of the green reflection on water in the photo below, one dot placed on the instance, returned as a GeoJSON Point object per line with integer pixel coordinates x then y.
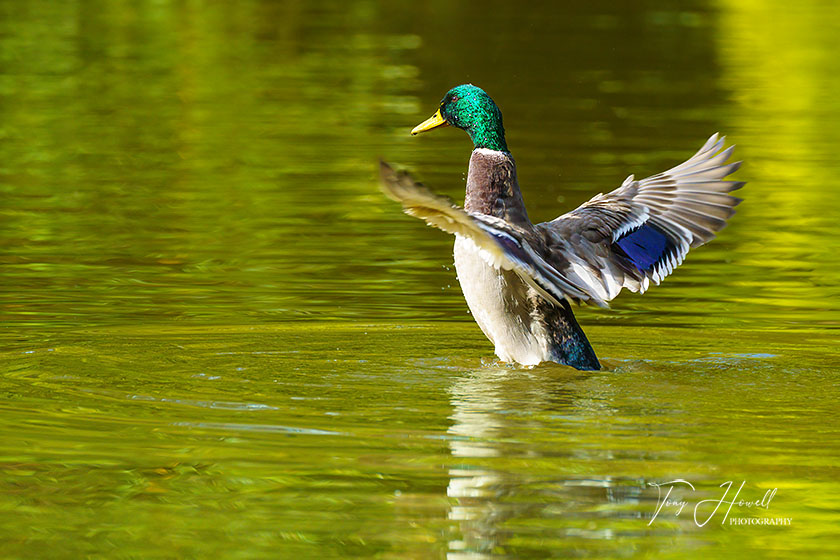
{"type": "Point", "coordinates": [219, 338]}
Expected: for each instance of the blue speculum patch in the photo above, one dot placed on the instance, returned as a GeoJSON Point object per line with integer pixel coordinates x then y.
{"type": "Point", "coordinates": [645, 246]}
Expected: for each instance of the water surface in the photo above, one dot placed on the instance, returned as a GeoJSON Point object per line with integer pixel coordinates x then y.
{"type": "Point", "coordinates": [219, 338]}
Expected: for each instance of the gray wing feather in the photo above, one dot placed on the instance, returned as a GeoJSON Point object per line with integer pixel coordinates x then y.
{"type": "Point", "coordinates": [500, 244]}
{"type": "Point", "coordinates": [688, 203]}
{"type": "Point", "coordinates": [577, 256]}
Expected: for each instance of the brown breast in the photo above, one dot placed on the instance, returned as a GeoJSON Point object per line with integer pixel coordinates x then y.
{"type": "Point", "coordinates": [492, 187]}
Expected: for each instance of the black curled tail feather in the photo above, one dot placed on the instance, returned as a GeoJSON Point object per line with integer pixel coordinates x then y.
{"type": "Point", "coordinates": [569, 343]}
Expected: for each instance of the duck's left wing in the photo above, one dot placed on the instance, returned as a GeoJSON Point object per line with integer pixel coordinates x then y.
{"type": "Point", "coordinates": [640, 232]}
{"type": "Point", "coordinates": [501, 244]}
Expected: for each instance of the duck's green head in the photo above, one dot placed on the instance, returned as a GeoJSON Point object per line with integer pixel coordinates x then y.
{"type": "Point", "coordinates": [469, 108]}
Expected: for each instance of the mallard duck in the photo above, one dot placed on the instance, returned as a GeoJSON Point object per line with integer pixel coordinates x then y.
{"type": "Point", "coordinates": [519, 278]}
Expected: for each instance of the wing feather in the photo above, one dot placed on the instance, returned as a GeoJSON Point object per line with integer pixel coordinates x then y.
{"type": "Point", "coordinates": [501, 245]}
{"type": "Point", "coordinates": [639, 233]}
{"type": "Point", "coordinates": [629, 238]}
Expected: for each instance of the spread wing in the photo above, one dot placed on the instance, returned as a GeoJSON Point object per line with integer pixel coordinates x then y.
{"type": "Point", "coordinates": [640, 232]}
{"type": "Point", "coordinates": [501, 244]}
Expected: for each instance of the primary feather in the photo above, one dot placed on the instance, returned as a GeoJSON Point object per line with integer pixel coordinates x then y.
{"type": "Point", "coordinates": [640, 232]}
{"type": "Point", "coordinates": [632, 236]}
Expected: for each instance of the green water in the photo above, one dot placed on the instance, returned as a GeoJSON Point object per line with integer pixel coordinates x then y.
{"type": "Point", "coordinates": [218, 339]}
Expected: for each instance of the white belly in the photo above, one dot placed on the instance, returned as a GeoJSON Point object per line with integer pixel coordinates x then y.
{"type": "Point", "coordinates": [499, 302]}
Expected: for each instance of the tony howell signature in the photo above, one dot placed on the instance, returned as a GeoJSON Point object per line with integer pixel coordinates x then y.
{"type": "Point", "coordinates": [700, 508]}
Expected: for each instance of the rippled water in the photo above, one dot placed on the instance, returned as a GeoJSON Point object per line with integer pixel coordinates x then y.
{"type": "Point", "coordinates": [219, 338]}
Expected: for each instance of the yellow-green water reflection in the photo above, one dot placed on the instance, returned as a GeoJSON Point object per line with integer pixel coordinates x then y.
{"type": "Point", "coordinates": [218, 338]}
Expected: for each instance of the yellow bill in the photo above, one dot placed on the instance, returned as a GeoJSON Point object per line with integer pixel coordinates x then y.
{"type": "Point", "coordinates": [435, 121]}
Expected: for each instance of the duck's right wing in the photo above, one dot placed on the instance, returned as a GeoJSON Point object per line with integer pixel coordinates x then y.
{"type": "Point", "coordinates": [637, 234]}
{"type": "Point", "coordinates": [501, 244]}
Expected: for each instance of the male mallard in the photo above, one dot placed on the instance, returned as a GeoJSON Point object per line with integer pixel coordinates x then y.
{"type": "Point", "coordinates": [519, 277]}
